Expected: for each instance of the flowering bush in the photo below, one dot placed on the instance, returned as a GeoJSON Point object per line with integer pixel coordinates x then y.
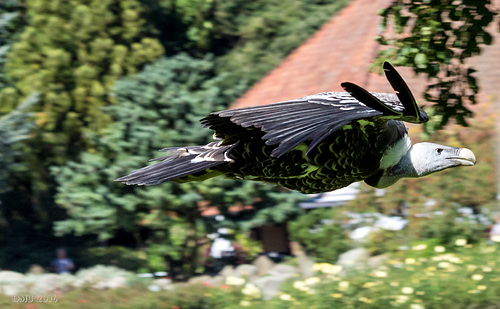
{"type": "Point", "coordinates": [427, 275]}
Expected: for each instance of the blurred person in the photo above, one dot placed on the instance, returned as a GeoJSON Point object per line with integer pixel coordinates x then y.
{"type": "Point", "coordinates": [62, 264]}
{"type": "Point", "coordinates": [222, 250]}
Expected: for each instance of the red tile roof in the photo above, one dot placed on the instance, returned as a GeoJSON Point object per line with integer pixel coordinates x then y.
{"type": "Point", "coordinates": [342, 50]}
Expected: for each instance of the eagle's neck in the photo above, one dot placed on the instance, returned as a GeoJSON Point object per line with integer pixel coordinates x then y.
{"type": "Point", "coordinates": [397, 162]}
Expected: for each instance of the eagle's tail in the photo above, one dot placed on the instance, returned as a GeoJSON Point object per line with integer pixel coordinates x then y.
{"type": "Point", "coordinates": [183, 164]}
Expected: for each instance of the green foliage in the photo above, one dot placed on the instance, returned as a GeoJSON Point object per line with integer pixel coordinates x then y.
{"type": "Point", "coordinates": [466, 278]}
{"type": "Point", "coordinates": [250, 248]}
{"type": "Point", "coordinates": [260, 33]}
{"type": "Point", "coordinates": [157, 108]}
{"type": "Point", "coordinates": [15, 127]}
{"type": "Point", "coordinates": [322, 237]}
{"type": "Point", "coordinates": [422, 277]}
{"type": "Point", "coordinates": [118, 256]}
{"type": "Point", "coordinates": [72, 52]}
{"type": "Point", "coordinates": [435, 38]}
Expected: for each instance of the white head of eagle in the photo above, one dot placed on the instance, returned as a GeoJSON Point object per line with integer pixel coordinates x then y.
{"type": "Point", "coordinates": [314, 144]}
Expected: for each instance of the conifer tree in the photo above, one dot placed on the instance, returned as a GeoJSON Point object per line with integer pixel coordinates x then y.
{"type": "Point", "coordinates": [71, 52]}
{"type": "Point", "coordinates": [157, 108]}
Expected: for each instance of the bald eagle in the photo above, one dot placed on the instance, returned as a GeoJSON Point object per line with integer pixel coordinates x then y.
{"type": "Point", "coordinates": [318, 143]}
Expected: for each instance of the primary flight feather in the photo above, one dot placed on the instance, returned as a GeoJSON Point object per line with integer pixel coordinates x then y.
{"type": "Point", "coordinates": [318, 143]}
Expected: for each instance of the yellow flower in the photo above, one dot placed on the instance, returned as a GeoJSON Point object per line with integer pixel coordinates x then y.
{"type": "Point", "coordinates": [420, 292]}
{"type": "Point", "coordinates": [444, 264]}
{"type": "Point", "coordinates": [487, 269]}
{"type": "Point", "coordinates": [460, 242]}
{"type": "Point", "coordinates": [394, 283]}
{"type": "Point", "coordinates": [366, 300]}
{"type": "Point", "coordinates": [477, 277]}
{"type": "Point", "coordinates": [235, 281]}
{"type": "Point", "coordinates": [299, 285]}
{"type": "Point", "coordinates": [327, 268]}
{"type": "Point", "coordinates": [407, 290]}
{"type": "Point", "coordinates": [245, 303]}
{"type": "Point", "coordinates": [380, 273]}
{"type": "Point", "coordinates": [410, 261]}
{"type": "Point", "coordinates": [482, 287]}
{"type": "Point", "coordinates": [336, 295]}
{"type": "Point", "coordinates": [419, 247]}
{"type": "Point", "coordinates": [251, 290]}
{"type": "Point", "coordinates": [368, 284]}
{"type": "Point", "coordinates": [439, 249]}
{"type": "Point", "coordinates": [312, 280]}
{"type": "Point", "coordinates": [416, 306]}
{"type": "Point", "coordinates": [471, 267]}
{"type": "Point", "coordinates": [401, 299]}
{"type": "Point", "coordinates": [343, 285]}
{"type": "Point", "coordinates": [473, 292]}
{"type": "Point", "coordinates": [286, 297]}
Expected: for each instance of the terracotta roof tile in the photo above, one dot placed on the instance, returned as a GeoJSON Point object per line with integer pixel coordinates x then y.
{"type": "Point", "coordinates": [342, 50]}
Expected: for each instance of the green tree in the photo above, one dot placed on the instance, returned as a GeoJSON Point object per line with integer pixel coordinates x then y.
{"type": "Point", "coordinates": [260, 33]}
{"type": "Point", "coordinates": [11, 22]}
{"type": "Point", "coordinates": [71, 52]}
{"type": "Point", "coordinates": [436, 37]}
{"type": "Point", "coordinates": [156, 108]}
{"type": "Point", "coordinates": [321, 233]}
{"type": "Point", "coordinates": [15, 127]}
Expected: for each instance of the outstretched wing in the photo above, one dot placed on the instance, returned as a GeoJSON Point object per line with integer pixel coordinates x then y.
{"type": "Point", "coordinates": [292, 122]}
{"type": "Point", "coordinates": [315, 117]}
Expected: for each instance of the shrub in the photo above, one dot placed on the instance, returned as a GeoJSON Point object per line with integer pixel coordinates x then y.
{"type": "Point", "coordinates": [321, 236]}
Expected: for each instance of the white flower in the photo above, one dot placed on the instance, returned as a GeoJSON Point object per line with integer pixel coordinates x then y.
{"type": "Point", "coordinates": [439, 249]}
{"type": "Point", "coordinates": [286, 297]}
{"type": "Point", "coordinates": [460, 242]}
{"type": "Point", "coordinates": [410, 261]}
{"type": "Point", "coordinates": [444, 264]}
{"type": "Point", "coordinates": [401, 299]}
{"type": "Point", "coordinates": [299, 285]}
{"type": "Point", "coordinates": [419, 247]}
{"type": "Point", "coordinates": [312, 281]}
{"type": "Point", "coordinates": [416, 306]}
{"type": "Point", "coordinates": [495, 238]}
{"type": "Point", "coordinates": [245, 303]}
{"type": "Point", "coordinates": [251, 290]}
{"type": "Point", "coordinates": [380, 273]}
{"type": "Point", "coordinates": [235, 281]}
{"type": "Point", "coordinates": [477, 277]}
{"type": "Point", "coordinates": [407, 290]}
{"type": "Point", "coordinates": [343, 285]}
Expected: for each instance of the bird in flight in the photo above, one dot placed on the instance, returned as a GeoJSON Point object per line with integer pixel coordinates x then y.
{"type": "Point", "coordinates": [315, 144]}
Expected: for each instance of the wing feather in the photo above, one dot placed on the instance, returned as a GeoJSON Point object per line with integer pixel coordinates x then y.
{"type": "Point", "coordinates": [290, 123]}
{"type": "Point", "coordinates": [314, 117]}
